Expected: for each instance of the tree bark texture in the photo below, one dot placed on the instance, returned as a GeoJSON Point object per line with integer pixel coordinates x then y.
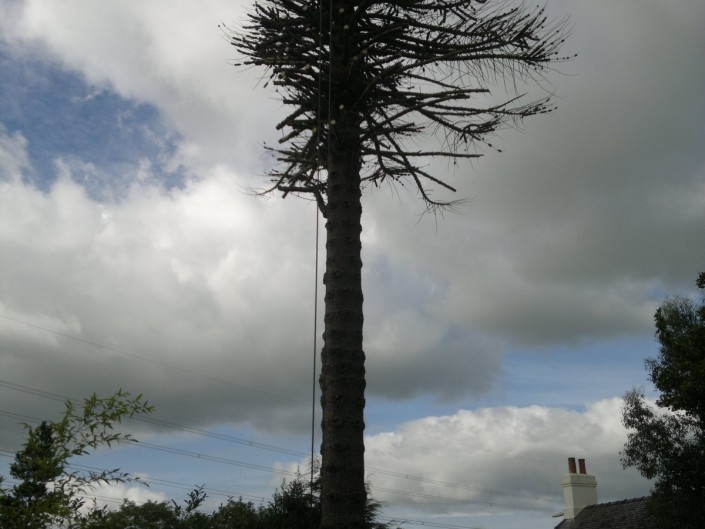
{"type": "Point", "coordinates": [342, 359]}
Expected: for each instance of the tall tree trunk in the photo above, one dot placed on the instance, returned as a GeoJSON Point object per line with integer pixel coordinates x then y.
{"type": "Point", "coordinates": [343, 360]}
{"type": "Point", "coordinates": [394, 70]}
{"type": "Point", "coordinates": [343, 494]}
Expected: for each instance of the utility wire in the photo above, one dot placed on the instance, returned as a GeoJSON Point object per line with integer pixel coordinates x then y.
{"type": "Point", "coordinates": [54, 396]}
{"type": "Point", "coordinates": [444, 499]}
{"type": "Point", "coordinates": [406, 521]}
{"type": "Point", "coordinates": [160, 422]}
{"type": "Point", "coordinates": [212, 458]}
{"type": "Point", "coordinates": [181, 452]}
{"type": "Point", "coordinates": [149, 360]}
{"type": "Point", "coordinates": [152, 480]}
{"type": "Point", "coordinates": [316, 256]}
{"type": "Point", "coordinates": [244, 442]}
{"type": "Point", "coordinates": [218, 459]}
{"type": "Point", "coordinates": [230, 494]}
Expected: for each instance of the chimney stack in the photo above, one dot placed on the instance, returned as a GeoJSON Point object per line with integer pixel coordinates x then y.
{"type": "Point", "coordinates": [579, 489]}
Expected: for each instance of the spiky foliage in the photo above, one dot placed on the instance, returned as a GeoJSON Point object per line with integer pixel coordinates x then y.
{"type": "Point", "coordinates": [362, 80]}
{"type": "Point", "coordinates": [399, 69]}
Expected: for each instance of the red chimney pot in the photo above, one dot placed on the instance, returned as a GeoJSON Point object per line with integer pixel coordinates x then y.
{"type": "Point", "coordinates": [581, 464]}
{"type": "Point", "coordinates": [571, 466]}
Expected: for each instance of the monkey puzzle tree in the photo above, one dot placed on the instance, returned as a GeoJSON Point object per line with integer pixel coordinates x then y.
{"type": "Point", "coordinates": [362, 78]}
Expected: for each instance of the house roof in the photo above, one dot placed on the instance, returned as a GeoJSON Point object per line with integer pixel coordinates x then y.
{"type": "Point", "coordinates": [624, 514]}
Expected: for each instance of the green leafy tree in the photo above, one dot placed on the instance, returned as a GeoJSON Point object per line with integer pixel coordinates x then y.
{"type": "Point", "coordinates": [149, 515]}
{"type": "Point", "coordinates": [294, 505]}
{"type": "Point", "coordinates": [153, 515]}
{"type": "Point", "coordinates": [237, 514]}
{"type": "Point", "coordinates": [667, 444]}
{"type": "Point", "coordinates": [188, 515]}
{"type": "Point", "coordinates": [32, 503]}
{"type": "Point", "coordinates": [363, 80]}
{"type": "Point", "coordinates": [48, 492]}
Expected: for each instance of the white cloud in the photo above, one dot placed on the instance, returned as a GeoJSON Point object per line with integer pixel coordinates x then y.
{"type": "Point", "coordinates": [574, 234]}
{"type": "Point", "coordinates": [200, 279]}
{"type": "Point", "coordinates": [13, 155]}
{"type": "Point", "coordinates": [504, 455]}
{"type": "Point", "coordinates": [561, 243]}
{"type": "Point", "coordinates": [112, 495]}
{"type": "Point", "coordinates": [176, 58]}
{"type": "Point", "coordinates": [554, 249]}
{"type": "Point", "coordinates": [189, 278]}
{"type": "Point", "coordinates": [510, 460]}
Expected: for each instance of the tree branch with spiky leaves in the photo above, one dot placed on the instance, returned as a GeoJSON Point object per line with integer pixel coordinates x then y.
{"type": "Point", "coordinates": [422, 68]}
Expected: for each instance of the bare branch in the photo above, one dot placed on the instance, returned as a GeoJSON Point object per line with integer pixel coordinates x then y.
{"type": "Point", "coordinates": [407, 68]}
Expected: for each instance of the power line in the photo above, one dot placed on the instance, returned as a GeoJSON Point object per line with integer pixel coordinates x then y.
{"type": "Point", "coordinates": [179, 451]}
{"type": "Point", "coordinates": [217, 459]}
{"type": "Point", "coordinates": [231, 494]}
{"type": "Point", "coordinates": [242, 464]}
{"type": "Point", "coordinates": [194, 373]}
{"type": "Point", "coordinates": [444, 499]}
{"type": "Point", "coordinates": [17, 416]}
{"type": "Point", "coordinates": [33, 391]}
{"type": "Point", "coordinates": [152, 480]}
{"type": "Point", "coordinates": [161, 422]}
{"type": "Point", "coordinates": [206, 433]}
{"type": "Point", "coordinates": [222, 437]}
{"type": "Point", "coordinates": [149, 360]}
{"type": "Point", "coordinates": [206, 457]}
{"type": "Point", "coordinates": [464, 486]}
{"type": "Point", "coordinates": [406, 521]}
{"type": "Point", "coordinates": [212, 458]}
{"type": "Point", "coordinates": [175, 484]}
{"type": "Point", "coordinates": [261, 500]}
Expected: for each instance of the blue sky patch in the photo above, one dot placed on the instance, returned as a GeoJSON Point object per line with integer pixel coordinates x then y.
{"type": "Point", "coordinates": [102, 138]}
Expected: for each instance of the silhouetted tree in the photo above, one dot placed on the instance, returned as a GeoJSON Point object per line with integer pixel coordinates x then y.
{"type": "Point", "coordinates": [31, 504]}
{"type": "Point", "coordinates": [668, 444]}
{"type": "Point", "coordinates": [294, 505]}
{"type": "Point", "coordinates": [238, 514]}
{"type": "Point", "coordinates": [363, 79]}
{"type": "Point", "coordinates": [47, 493]}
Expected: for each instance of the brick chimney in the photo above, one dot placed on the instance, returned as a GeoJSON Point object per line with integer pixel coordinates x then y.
{"type": "Point", "coordinates": [579, 489]}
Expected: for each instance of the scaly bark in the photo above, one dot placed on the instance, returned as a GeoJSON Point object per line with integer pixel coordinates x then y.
{"type": "Point", "coordinates": [343, 360]}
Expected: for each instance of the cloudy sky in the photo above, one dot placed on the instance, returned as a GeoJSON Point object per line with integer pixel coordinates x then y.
{"type": "Point", "coordinates": [500, 338]}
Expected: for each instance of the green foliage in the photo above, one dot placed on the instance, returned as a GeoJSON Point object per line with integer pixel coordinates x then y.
{"type": "Point", "coordinates": [294, 505]}
{"type": "Point", "coordinates": [679, 372]}
{"type": "Point", "coordinates": [149, 515]}
{"type": "Point", "coordinates": [152, 515]}
{"type": "Point", "coordinates": [31, 504]}
{"type": "Point", "coordinates": [668, 444]}
{"type": "Point", "coordinates": [48, 493]}
{"type": "Point", "coordinates": [239, 514]}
